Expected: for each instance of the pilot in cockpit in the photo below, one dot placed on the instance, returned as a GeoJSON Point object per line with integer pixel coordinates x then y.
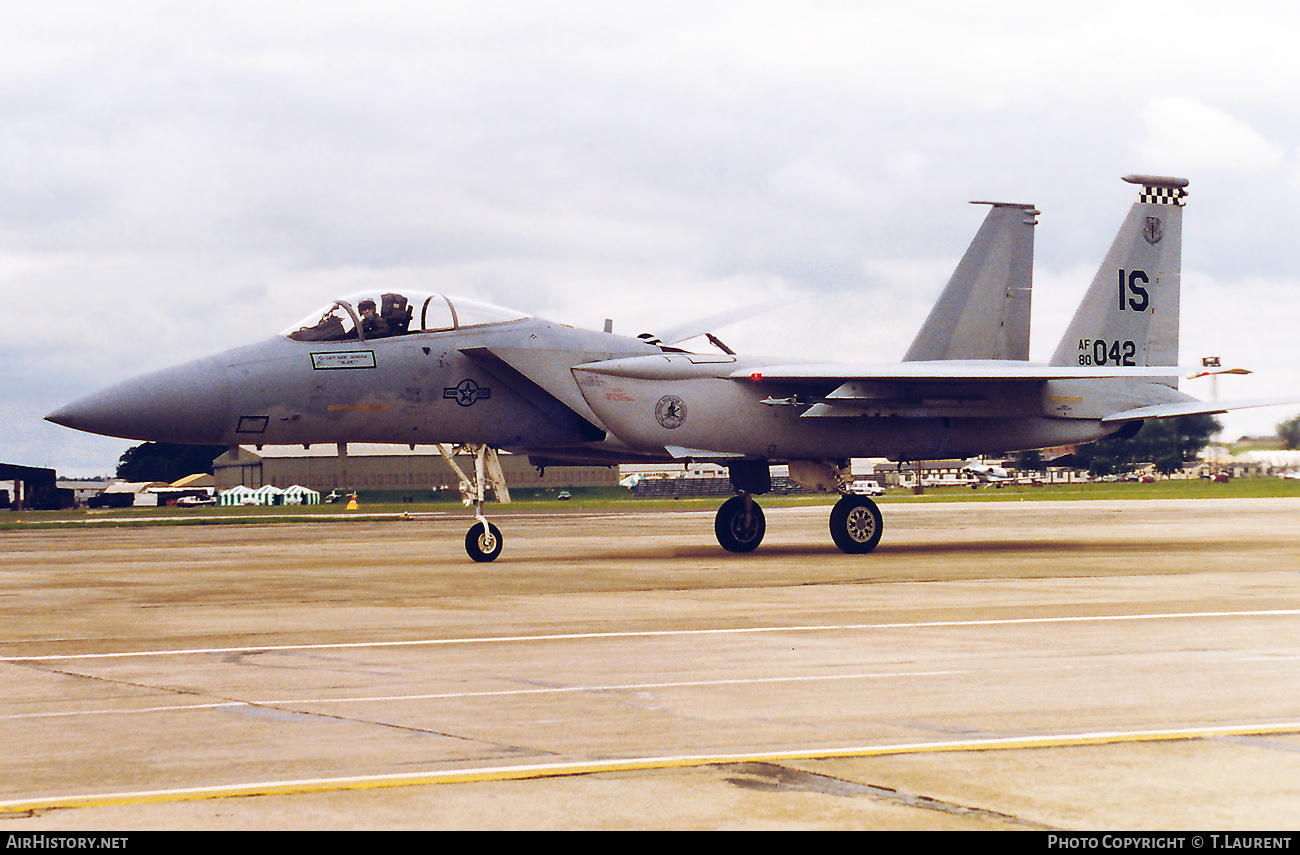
{"type": "Point", "coordinates": [372, 324]}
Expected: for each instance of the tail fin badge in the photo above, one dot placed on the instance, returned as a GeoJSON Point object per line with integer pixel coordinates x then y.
{"type": "Point", "coordinates": [1151, 231]}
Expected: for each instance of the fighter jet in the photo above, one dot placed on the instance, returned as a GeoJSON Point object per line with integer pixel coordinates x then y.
{"type": "Point", "coordinates": [430, 369]}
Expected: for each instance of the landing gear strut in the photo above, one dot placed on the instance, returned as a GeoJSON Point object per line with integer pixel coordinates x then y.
{"type": "Point", "coordinates": [483, 541]}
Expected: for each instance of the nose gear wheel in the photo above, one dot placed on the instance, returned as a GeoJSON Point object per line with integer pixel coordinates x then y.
{"type": "Point", "coordinates": [483, 541]}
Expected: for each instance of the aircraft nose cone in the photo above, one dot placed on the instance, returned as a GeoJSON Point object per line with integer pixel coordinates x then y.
{"type": "Point", "coordinates": [186, 404]}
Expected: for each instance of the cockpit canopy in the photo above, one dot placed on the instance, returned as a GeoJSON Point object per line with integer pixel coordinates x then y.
{"type": "Point", "coordinates": [369, 316]}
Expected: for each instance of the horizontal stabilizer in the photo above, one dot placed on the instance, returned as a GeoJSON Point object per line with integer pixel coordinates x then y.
{"type": "Point", "coordinates": [1194, 408]}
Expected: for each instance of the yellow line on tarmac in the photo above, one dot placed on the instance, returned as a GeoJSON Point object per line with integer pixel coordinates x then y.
{"type": "Point", "coordinates": [550, 770]}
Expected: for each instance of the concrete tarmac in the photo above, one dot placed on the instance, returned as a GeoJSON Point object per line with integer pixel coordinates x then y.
{"type": "Point", "coordinates": [1032, 665]}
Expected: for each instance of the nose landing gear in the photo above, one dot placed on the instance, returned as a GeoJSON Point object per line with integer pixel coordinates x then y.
{"type": "Point", "coordinates": [483, 541]}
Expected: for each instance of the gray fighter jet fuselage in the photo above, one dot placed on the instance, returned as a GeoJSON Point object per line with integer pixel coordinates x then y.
{"type": "Point", "coordinates": [454, 387]}
{"type": "Point", "coordinates": [427, 369]}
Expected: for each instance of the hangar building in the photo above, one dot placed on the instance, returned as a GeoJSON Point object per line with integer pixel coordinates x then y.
{"type": "Point", "coordinates": [384, 467]}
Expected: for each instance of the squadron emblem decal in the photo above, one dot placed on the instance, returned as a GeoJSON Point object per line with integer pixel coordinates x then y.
{"type": "Point", "coordinates": [466, 392]}
{"type": "Point", "coordinates": [670, 412]}
{"type": "Point", "coordinates": [1151, 231]}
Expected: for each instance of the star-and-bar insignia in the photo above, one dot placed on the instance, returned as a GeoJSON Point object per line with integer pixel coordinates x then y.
{"type": "Point", "coordinates": [466, 392]}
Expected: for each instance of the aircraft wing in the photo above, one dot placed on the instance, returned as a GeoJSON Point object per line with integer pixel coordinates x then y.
{"type": "Point", "coordinates": [690, 365]}
{"type": "Point", "coordinates": [955, 374]}
{"type": "Point", "coordinates": [980, 370]}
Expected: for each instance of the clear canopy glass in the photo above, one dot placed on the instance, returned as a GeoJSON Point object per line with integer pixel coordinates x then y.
{"type": "Point", "coordinates": [383, 315]}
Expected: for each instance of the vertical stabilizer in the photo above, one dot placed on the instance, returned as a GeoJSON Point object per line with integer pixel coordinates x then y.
{"type": "Point", "coordinates": [983, 312]}
{"type": "Point", "coordinates": [1130, 313]}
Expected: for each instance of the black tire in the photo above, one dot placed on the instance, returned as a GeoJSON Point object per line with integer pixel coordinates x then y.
{"type": "Point", "coordinates": [856, 525]}
{"type": "Point", "coordinates": [483, 544]}
{"type": "Point", "coordinates": [740, 525]}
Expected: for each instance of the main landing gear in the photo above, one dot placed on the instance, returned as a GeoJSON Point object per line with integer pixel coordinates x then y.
{"type": "Point", "coordinates": [483, 541]}
{"type": "Point", "coordinates": [856, 524]}
{"type": "Point", "coordinates": [740, 524]}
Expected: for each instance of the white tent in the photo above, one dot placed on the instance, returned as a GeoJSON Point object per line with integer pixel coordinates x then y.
{"type": "Point", "coordinates": [298, 495]}
{"type": "Point", "coordinates": [268, 494]}
{"type": "Point", "coordinates": [239, 495]}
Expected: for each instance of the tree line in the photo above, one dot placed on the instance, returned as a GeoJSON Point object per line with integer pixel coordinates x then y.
{"type": "Point", "coordinates": [1167, 444]}
{"type": "Point", "coordinates": [163, 461]}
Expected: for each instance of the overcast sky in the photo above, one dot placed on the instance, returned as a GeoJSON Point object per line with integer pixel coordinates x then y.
{"type": "Point", "coordinates": [177, 178]}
